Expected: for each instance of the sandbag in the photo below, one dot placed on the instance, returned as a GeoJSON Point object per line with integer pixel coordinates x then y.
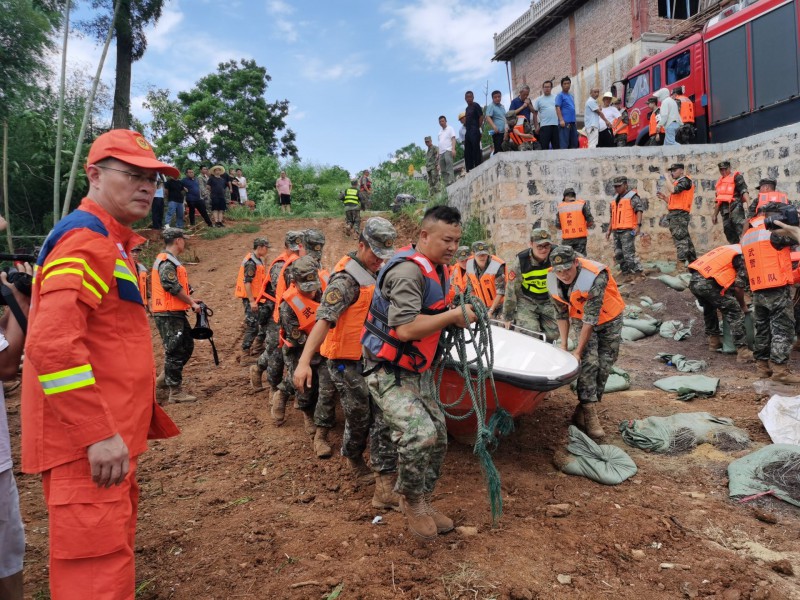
{"type": "Point", "coordinates": [676, 283]}
{"type": "Point", "coordinates": [604, 464]}
{"type": "Point", "coordinates": [781, 419]}
{"type": "Point", "coordinates": [682, 432]}
{"type": "Point", "coordinates": [650, 304]}
{"type": "Point", "coordinates": [683, 364]}
{"type": "Point", "coordinates": [675, 330]}
{"type": "Point", "coordinates": [631, 334]}
{"type": "Point", "coordinates": [689, 387]}
{"type": "Point", "coordinates": [618, 381]}
{"type": "Point", "coordinates": [774, 469]}
{"type": "Point", "coordinates": [647, 325]}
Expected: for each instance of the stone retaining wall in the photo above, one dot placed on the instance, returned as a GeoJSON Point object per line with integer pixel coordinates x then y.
{"type": "Point", "coordinates": [513, 192]}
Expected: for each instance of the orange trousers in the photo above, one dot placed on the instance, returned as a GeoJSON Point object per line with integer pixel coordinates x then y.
{"type": "Point", "coordinates": [92, 533]}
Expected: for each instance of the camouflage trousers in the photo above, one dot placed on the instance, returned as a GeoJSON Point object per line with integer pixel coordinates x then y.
{"type": "Point", "coordinates": [709, 293]}
{"type": "Point", "coordinates": [307, 398]}
{"type": "Point", "coordinates": [254, 323]}
{"type": "Point", "coordinates": [352, 220]}
{"type": "Point", "coordinates": [733, 219]}
{"type": "Point", "coordinates": [597, 359]}
{"type": "Point", "coordinates": [579, 244]}
{"type": "Point", "coordinates": [625, 251]}
{"type": "Point", "coordinates": [271, 360]}
{"type": "Point", "coordinates": [176, 335]}
{"type": "Point", "coordinates": [417, 427]}
{"type": "Point", "coordinates": [773, 319]}
{"type": "Point", "coordinates": [325, 410]}
{"type": "Point", "coordinates": [538, 316]}
{"type": "Point", "coordinates": [433, 179]}
{"type": "Point", "coordinates": [679, 228]}
{"type": "Point", "coordinates": [363, 420]}
{"type": "Point", "coordinates": [797, 312]}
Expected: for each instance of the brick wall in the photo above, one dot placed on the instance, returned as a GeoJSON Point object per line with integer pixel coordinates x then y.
{"type": "Point", "coordinates": [515, 191]}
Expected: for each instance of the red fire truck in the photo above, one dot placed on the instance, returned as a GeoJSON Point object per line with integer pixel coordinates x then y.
{"type": "Point", "coordinates": [742, 73]}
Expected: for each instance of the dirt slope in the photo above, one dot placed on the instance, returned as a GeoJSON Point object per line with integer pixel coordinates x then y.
{"type": "Point", "coordinates": [234, 508]}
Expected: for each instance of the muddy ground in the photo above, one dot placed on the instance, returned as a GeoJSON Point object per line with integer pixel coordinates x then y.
{"type": "Point", "coordinates": [235, 508]}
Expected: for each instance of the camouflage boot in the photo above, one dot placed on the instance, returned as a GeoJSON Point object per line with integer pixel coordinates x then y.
{"type": "Point", "coordinates": [360, 471]}
{"type": "Point", "coordinates": [385, 496]}
{"type": "Point", "coordinates": [255, 378]}
{"type": "Point", "coordinates": [322, 447]}
{"type": "Point", "coordinates": [593, 428]}
{"type": "Point", "coordinates": [763, 370]}
{"type": "Point", "coordinates": [443, 523]}
{"type": "Point", "coordinates": [278, 410]}
{"type": "Point", "coordinates": [308, 423]}
{"type": "Point", "coordinates": [419, 521]}
{"type": "Point", "coordinates": [783, 374]}
{"type": "Point", "coordinates": [246, 358]}
{"type": "Point", "coordinates": [177, 395]}
{"type": "Point", "coordinates": [714, 343]}
{"type": "Point", "coordinates": [744, 355]}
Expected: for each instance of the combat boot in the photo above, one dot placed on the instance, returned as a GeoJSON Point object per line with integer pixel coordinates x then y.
{"type": "Point", "coordinates": [783, 374]}
{"type": "Point", "coordinates": [161, 380]}
{"type": "Point", "coordinates": [419, 521]}
{"type": "Point", "coordinates": [593, 428]}
{"type": "Point", "coordinates": [744, 355]}
{"type": "Point", "coordinates": [714, 343]}
{"type": "Point", "coordinates": [162, 390]}
{"type": "Point", "coordinates": [322, 447]}
{"type": "Point", "coordinates": [308, 423]}
{"type": "Point", "coordinates": [257, 348]}
{"type": "Point", "coordinates": [360, 471]}
{"type": "Point", "coordinates": [177, 395]}
{"type": "Point", "coordinates": [246, 358]}
{"type": "Point", "coordinates": [278, 410]}
{"type": "Point", "coordinates": [577, 417]}
{"type": "Point", "coordinates": [443, 523]}
{"type": "Point", "coordinates": [763, 369]}
{"type": "Point", "coordinates": [385, 496]}
{"type": "Point", "coordinates": [255, 378]}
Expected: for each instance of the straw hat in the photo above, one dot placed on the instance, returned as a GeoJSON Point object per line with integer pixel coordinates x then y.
{"type": "Point", "coordinates": [216, 168]}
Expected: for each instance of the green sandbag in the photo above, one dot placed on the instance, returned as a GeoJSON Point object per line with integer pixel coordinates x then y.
{"type": "Point", "coordinates": [689, 386]}
{"type": "Point", "coordinates": [675, 330]}
{"type": "Point", "coordinates": [651, 304]}
{"type": "Point", "coordinates": [682, 432]}
{"type": "Point", "coordinates": [604, 464]}
{"type": "Point", "coordinates": [676, 283]}
{"type": "Point", "coordinates": [647, 325]}
{"type": "Point", "coordinates": [774, 468]}
{"type": "Point", "coordinates": [618, 381]}
{"type": "Point", "coordinates": [683, 364]}
{"type": "Point", "coordinates": [631, 334]}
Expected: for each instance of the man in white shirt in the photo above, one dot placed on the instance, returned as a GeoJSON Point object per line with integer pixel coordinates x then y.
{"type": "Point", "coordinates": [447, 150]}
{"type": "Point", "coordinates": [669, 117]}
{"type": "Point", "coordinates": [606, 134]}
{"type": "Point", "coordinates": [592, 115]}
{"type": "Point", "coordinates": [242, 185]}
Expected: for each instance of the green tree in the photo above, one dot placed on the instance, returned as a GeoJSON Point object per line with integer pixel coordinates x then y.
{"type": "Point", "coordinates": [224, 118]}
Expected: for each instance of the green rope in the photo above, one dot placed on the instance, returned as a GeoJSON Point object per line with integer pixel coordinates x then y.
{"type": "Point", "coordinates": [475, 373]}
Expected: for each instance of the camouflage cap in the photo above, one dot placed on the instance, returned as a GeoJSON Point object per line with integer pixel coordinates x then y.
{"type": "Point", "coordinates": [766, 181]}
{"type": "Point", "coordinates": [314, 236]}
{"type": "Point", "coordinates": [427, 138]}
{"type": "Point", "coordinates": [260, 241]}
{"type": "Point", "coordinates": [725, 164]}
{"type": "Point", "coordinates": [292, 240]}
{"type": "Point", "coordinates": [619, 180]}
{"type": "Point", "coordinates": [674, 166]}
{"type": "Point", "coordinates": [511, 115]}
{"type": "Point", "coordinates": [569, 192]}
{"type": "Point", "coordinates": [562, 257]}
{"type": "Point", "coordinates": [172, 233]}
{"type": "Point", "coordinates": [463, 253]}
{"type": "Point", "coordinates": [380, 235]}
{"type": "Point", "coordinates": [306, 273]}
{"type": "Point", "coordinates": [541, 236]}
{"type": "Point", "coordinates": [480, 248]}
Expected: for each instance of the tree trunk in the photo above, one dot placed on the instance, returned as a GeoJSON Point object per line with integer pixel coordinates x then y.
{"type": "Point", "coordinates": [5, 188]}
{"type": "Point", "coordinates": [121, 116]}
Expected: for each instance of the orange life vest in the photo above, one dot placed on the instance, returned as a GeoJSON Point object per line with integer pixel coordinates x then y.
{"type": "Point", "coordinates": [304, 308]}
{"type": "Point", "coordinates": [687, 109]}
{"type": "Point", "coordinates": [161, 300]}
{"type": "Point", "coordinates": [796, 272]}
{"type": "Point", "coordinates": [267, 285]}
{"type": "Point", "coordinates": [682, 200]}
{"type": "Point", "coordinates": [258, 280]}
{"type": "Point", "coordinates": [765, 198]}
{"type": "Point", "coordinates": [458, 278]}
{"type": "Point", "coordinates": [281, 286]}
{"type": "Point", "coordinates": [718, 265]}
{"type": "Point", "coordinates": [757, 222]}
{"type": "Point", "coordinates": [766, 266]}
{"type": "Point", "coordinates": [515, 136]}
{"type": "Point", "coordinates": [725, 188]}
{"type": "Point", "coordinates": [572, 220]}
{"type": "Point", "coordinates": [141, 274]}
{"type": "Point", "coordinates": [619, 127]}
{"type": "Point", "coordinates": [654, 127]}
{"type": "Point", "coordinates": [613, 304]}
{"type": "Point", "coordinates": [622, 214]}
{"type": "Point", "coordinates": [343, 342]}
{"type": "Point", "coordinates": [484, 286]}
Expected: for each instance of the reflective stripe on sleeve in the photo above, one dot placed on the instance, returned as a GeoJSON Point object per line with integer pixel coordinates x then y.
{"type": "Point", "coordinates": [68, 379]}
{"type": "Point", "coordinates": [121, 271]}
{"type": "Point", "coordinates": [87, 270]}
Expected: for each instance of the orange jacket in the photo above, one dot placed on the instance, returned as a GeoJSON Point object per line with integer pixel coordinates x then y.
{"type": "Point", "coordinates": [162, 300]}
{"type": "Point", "coordinates": [767, 267]}
{"type": "Point", "coordinates": [765, 198]}
{"type": "Point", "coordinates": [485, 287]}
{"type": "Point", "coordinates": [280, 287]}
{"type": "Point", "coordinates": [89, 371]}
{"type": "Point", "coordinates": [622, 214]}
{"type": "Point", "coordinates": [258, 281]}
{"type": "Point", "coordinates": [682, 200]}
{"type": "Point", "coordinates": [654, 128]}
{"type": "Point", "coordinates": [718, 265]}
{"type": "Point", "coordinates": [572, 220]}
{"type": "Point", "coordinates": [304, 308]}
{"type": "Point", "coordinates": [686, 109]}
{"type": "Point", "coordinates": [343, 342]}
{"type": "Point", "coordinates": [613, 304]}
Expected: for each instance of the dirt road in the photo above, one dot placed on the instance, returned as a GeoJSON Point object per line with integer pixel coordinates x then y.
{"type": "Point", "coordinates": [235, 508]}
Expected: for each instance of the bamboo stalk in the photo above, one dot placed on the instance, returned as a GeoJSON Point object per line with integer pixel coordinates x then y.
{"type": "Point", "coordinates": [60, 125]}
{"type": "Point", "coordinates": [5, 187]}
{"type": "Point", "coordinates": [89, 102]}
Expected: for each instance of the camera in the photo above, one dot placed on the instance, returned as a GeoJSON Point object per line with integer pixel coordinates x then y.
{"type": "Point", "coordinates": [21, 281]}
{"type": "Point", "coordinates": [785, 214]}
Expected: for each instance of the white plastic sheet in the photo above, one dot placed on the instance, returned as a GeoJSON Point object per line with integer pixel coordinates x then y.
{"type": "Point", "coordinates": [781, 419]}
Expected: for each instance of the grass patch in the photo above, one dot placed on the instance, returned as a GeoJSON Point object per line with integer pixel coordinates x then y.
{"type": "Point", "coordinates": [468, 582]}
{"type": "Point", "coordinates": [214, 233]}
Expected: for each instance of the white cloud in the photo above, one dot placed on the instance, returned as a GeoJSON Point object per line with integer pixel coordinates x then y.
{"type": "Point", "coordinates": [286, 28]}
{"type": "Point", "coordinates": [161, 36]}
{"type": "Point", "coordinates": [295, 114]}
{"type": "Point", "coordinates": [279, 7]}
{"type": "Point", "coordinates": [456, 38]}
{"type": "Point", "coordinates": [350, 68]}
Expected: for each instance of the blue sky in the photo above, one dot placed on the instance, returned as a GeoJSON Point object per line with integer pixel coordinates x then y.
{"type": "Point", "coordinates": [363, 78]}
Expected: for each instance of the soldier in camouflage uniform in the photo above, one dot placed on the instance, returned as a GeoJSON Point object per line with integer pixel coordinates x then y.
{"type": "Point", "coordinates": [432, 166]}
{"type": "Point", "coordinates": [354, 202]}
{"type": "Point", "coordinates": [527, 302]}
{"type": "Point", "coordinates": [172, 325]}
{"type": "Point", "coordinates": [679, 213]}
{"type": "Point", "coordinates": [585, 291]}
{"type": "Point", "coordinates": [709, 273]}
{"type": "Point", "coordinates": [731, 202]}
{"type": "Point", "coordinates": [255, 315]}
{"type": "Point", "coordinates": [297, 310]}
{"type": "Point", "coordinates": [271, 360]}
{"type": "Point", "coordinates": [624, 224]}
{"type": "Point", "coordinates": [568, 218]}
{"type": "Point", "coordinates": [342, 313]}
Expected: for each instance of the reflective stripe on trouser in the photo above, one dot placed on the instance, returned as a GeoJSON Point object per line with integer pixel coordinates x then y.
{"type": "Point", "coordinates": [625, 251]}
{"type": "Point", "coordinates": [325, 411]}
{"type": "Point", "coordinates": [92, 533]}
{"type": "Point", "coordinates": [538, 316]}
{"type": "Point", "coordinates": [597, 359]}
{"type": "Point", "coordinates": [708, 294]}
{"type": "Point", "coordinates": [773, 319]}
{"type": "Point", "coordinates": [250, 325]}
{"type": "Point", "coordinates": [176, 336]}
{"type": "Point", "coordinates": [363, 420]}
{"type": "Point", "coordinates": [417, 427]}
{"type": "Point", "coordinates": [306, 398]}
{"type": "Point", "coordinates": [679, 228]}
{"type": "Point", "coordinates": [579, 244]}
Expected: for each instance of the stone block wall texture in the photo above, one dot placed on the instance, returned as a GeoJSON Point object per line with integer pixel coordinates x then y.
{"type": "Point", "coordinates": [513, 192]}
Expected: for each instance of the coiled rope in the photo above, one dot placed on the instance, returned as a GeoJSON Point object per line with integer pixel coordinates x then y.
{"type": "Point", "coordinates": [475, 372]}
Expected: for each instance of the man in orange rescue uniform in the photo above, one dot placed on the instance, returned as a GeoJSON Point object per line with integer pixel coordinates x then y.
{"type": "Point", "coordinates": [679, 208]}
{"type": "Point", "coordinates": [88, 393]}
{"type": "Point", "coordinates": [574, 219]}
{"type": "Point", "coordinates": [487, 274]}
